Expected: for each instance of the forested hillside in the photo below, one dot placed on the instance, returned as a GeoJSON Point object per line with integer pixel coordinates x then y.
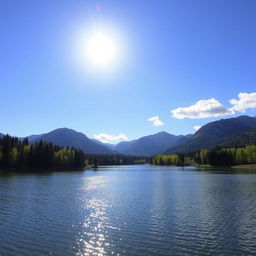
{"type": "Point", "coordinates": [97, 160]}
{"type": "Point", "coordinates": [19, 154]}
{"type": "Point", "coordinates": [70, 138]}
{"type": "Point", "coordinates": [240, 140]}
{"type": "Point", "coordinates": [15, 153]}
{"type": "Point", "coordinates": [215, 157]}
{"type": "Point", "coordinates": [214, 133]}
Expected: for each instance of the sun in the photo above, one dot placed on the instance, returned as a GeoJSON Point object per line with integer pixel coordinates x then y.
{"type": "Point", "coordinates": [100, 50]}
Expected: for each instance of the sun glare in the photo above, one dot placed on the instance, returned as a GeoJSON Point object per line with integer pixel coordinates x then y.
{"type": "Point", "coordinates": [100, 50]}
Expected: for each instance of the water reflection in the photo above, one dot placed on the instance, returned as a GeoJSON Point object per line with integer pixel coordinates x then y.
{"type": "Point", "coordinates": [93, 237]}
{"type": "Point", "coordinates": [129, 211]}
{"type": "Point", "coordinates": [91, 183]}
{"type": "Point", "coordinates": [92, 240]}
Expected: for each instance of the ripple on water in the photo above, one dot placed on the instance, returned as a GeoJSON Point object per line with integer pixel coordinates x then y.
{"type": "Point", "coordinates": [128, 211]}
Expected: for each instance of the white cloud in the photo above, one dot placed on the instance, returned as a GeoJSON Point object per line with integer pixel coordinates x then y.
{"type": "Point", "coordinates": [156, 121]}
{"type": "Point", "coordinates": [108, 138]}
{"type": "Point", "coordinates": [202, 109]}
{"type": "Point", "coordinates": [245, 101]}
{"type": "Point", "coordinates": [197, 127]}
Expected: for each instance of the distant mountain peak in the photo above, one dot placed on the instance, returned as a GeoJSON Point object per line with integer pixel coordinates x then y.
{"type": "Point", "coordinates": [162, 132]}
{"type": "Point", "coordinates": [70, 138]}
{"type": "Point", "coordinates": [207, 136]}
{"type": "Point", "coordinates": [149, 145]}
{"type": "Point", "coordinates": [65, 129]}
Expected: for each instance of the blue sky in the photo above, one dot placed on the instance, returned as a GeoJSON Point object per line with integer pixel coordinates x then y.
{"type": "Point", "coordinates": [172, 55]}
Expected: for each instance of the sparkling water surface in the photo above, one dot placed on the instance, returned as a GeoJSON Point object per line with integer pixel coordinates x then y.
{"type": "Point", "coordinates": [138, 210]}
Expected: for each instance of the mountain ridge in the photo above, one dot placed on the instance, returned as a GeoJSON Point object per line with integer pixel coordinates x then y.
{"type": "Point", "coordinates": [223, 132]}
{"type": "Point", "coordinates": [70, 138]}
{"type": "Point", "coordinates": [213, 133]}
{"type": "Point", "coordinates": [149, 145]}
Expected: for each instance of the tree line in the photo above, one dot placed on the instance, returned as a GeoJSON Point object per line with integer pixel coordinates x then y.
{"type": "Point", "coordinates": [19, 154]}
{"type": "Point", "coordinates": [215, 157]}
{"type": "Point", "coordinates": [16, 153]}
{"type": "Point", "coordinates": [102, 159]}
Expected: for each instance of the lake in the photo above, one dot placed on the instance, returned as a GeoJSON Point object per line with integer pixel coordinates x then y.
{"type": "Point", "coordinates": [128, 210]}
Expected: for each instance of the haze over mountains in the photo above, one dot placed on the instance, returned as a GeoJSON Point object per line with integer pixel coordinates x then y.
{"type": "Point", "coordinates": [225, 132]}
{"type": "Point", "coordinates": [150, 145]}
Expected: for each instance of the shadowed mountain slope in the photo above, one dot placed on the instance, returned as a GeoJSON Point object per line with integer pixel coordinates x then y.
{"type": "Point", "coordinates": [240, 140]}
{"type": "Point", "coordinates": [214, 133]}
{"type": "Point", "coordinates": [150, 145]}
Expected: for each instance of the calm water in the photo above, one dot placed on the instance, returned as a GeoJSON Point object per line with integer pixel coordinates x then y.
{"type": "Point", "coordinates": [128, 210]}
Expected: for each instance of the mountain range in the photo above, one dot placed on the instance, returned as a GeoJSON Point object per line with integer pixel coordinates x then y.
{"type": "Point", "coordinates": [225, 132]}
{"type": "Point", "coordinates": [215, 133]}
{"type": "Point", "coordinates": [144, 146]}
{"type": "Point", "coordinates": [150, 145]}
{"type": "Point", "coordinates": [71, 138]}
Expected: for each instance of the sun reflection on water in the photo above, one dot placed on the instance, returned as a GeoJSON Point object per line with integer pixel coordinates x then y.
{"type": "Point", "coordinates": [93, 240]}
{"type": "Point", "coordinates": [92, 183]}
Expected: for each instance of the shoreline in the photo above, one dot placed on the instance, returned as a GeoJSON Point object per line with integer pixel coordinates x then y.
{"type": "Point", "coordinates": [245, 166]}
{"type": "Point", "coordinates": [41, 170]}
{"type": "Point", "coordinates": [92, 167]}
{"type": "Point", "coordinates": [232, 166]}
{"type": "Point", "coordinates": [55, 169]}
